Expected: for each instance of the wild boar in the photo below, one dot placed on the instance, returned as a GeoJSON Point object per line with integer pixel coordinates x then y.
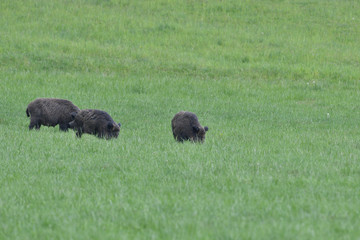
{"type": "Point", "coordinates": [186, 126]}
{"type": "Point", "coordinates": [50, 112]}
{"type": "Point", "coordinates": [95, 122]}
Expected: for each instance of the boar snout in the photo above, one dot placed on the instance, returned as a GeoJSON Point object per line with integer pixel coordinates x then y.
{"type": "Point", "coordinates": [72, 124]}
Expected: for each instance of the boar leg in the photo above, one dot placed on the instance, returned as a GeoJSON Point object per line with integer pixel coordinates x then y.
{"type": "Point", "coordinates": [63, 127]}
{"type": "Point", "coordinates": [78, 134]}
{"type": "Point", "coordinates": [34, 123]}
{"type": "Point", "coordinates": [179, 139]}
{"type": "Point", "coordinates": [31, 126]}
{"type": "Point", "coordinates": [184, 137]}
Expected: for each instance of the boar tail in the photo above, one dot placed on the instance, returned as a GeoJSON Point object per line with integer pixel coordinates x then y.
{"type": "Point", "coordinates": [27, 112]}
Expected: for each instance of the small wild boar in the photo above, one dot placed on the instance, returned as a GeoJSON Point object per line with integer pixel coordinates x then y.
{"type": "Point", "coordinates": [186, 126]}
{"type": "Point", "coordinates": [95, 122]}
{"type": "Point", "coordinates": [50, 112]}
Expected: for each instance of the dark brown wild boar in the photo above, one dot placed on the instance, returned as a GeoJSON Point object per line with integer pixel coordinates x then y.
{"type": "Point", "coordinates": [50, 112]}
{"type": "Point", "coordinates": [186, 126]}
{"type": "Point", "coordinates": [95, 122]}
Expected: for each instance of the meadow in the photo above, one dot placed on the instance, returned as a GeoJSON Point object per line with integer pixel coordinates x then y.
{"type": "Point", "coordinates": [276, 81]}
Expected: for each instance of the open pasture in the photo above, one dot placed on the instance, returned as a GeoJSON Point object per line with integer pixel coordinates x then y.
{"type": "Point", "coordinates": [276, 82]}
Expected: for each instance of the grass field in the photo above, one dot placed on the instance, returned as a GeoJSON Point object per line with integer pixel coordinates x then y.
{"type": "Point", "coordinates": [277, 82]}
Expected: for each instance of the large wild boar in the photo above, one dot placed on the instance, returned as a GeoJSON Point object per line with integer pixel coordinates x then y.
{"type": "Point", "coordinates": [186, 126]}
{"type": "Point", "coordinates": [50, 112]}
{"type": "Point", "coordinates": [95, 122]}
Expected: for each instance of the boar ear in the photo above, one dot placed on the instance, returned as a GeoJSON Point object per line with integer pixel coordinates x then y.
{"type": "Point", "coordinates": [119, 124]}
{"type": "Point", "coordinates": [110, 125]}
{"type": "Point", "coordinates": [195, 129]}
{"type": "Point", "coordinates": [73, 115]}
{"type": "Point", "coordinates": [206, 128]}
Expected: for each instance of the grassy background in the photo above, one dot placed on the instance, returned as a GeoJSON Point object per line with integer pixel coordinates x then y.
{"type": "Point", "coordinates": [277, 82]}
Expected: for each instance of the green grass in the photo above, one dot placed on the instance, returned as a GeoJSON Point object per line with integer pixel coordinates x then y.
{"type": "Point", "coordinates": [277, 82]}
